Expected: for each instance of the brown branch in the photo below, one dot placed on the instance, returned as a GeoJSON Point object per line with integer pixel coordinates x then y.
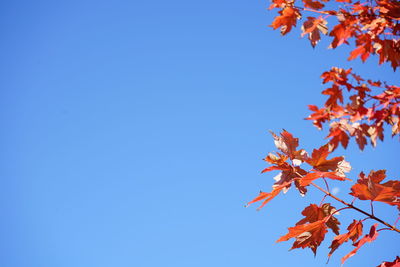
{"type": "Point", "coordinates": [357, 209]}
{"type": "Point", "coordinates": [372, 216]}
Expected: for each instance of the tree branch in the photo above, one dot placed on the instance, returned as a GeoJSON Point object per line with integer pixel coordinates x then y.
{"type": "Point", "coordinates": [357, 209]}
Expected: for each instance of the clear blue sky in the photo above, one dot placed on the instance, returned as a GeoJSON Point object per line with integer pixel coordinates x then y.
{"type": "Point", "coordinates": [133, 133]}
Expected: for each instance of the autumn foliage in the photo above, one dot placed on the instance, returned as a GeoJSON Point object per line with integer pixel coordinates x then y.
{"type": "Point", "coordinates": [373, 25]}
{"type": "Point", "coordinates": [370, 106]}
{"type": "Point", "coordinates": [356, 108]}
{"type": "Point", "coordinates": [300, 169]}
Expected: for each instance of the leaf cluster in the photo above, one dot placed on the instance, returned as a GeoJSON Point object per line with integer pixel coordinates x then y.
{"type": "Point", "coordinates": [310, 231]}
{"type": "Point", "coordinates": [355, 108]}
{"type": "Point", "coordinates": [374, 25]}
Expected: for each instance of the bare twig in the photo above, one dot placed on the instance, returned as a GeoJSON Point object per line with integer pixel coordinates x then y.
{"type": "Point", "coordinates": [372, 207]}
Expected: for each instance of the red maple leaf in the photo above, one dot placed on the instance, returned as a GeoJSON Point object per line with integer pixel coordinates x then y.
{"type": "Point", "coordinates": [319, 116]}
{"type": "Point", "coordinates": [364, 48]}
{"type": "Point", "coordinates": [370, 188]}
{"type": "Point", "coordinates": [373, 234]}
{"type": "Point", "coordinates": [287, 19]}
{"type": "Point", "coordinates": [341, 33]}
{"type": "Point", "coordinates": [335, 95]}
{"type": "Point", "coordinates": [313, 27]}
{"type": "Point", "coordinates": [313, 4]}
{"type": "Point", "coordinates": [288, 145]}
{"type": "Point", "coordinates": [267, 197]}
{"type": "Point", "coordinates": [337, 135]}
{"type": "Point", "coordinates": [278, 4]}
{"type": "Point", "coordinates": [307, 235]}
{"type": "Point", "coordinates": [315, 213]}
{"type": "Point", "coordinates": [311, 176]}
{"type": "Point", "coordinates": [320, 163]}
{"type": "Point", "coordinates": [355, 230]}
{"type": "Point", "coordinates": [359, 131]}
{"type": "Point", "coordinates": [389, 50]}
{"type": "Point", "coordinates": [395, 263]}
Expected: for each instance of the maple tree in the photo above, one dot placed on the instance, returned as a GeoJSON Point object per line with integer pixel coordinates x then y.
{"type": "Point", "coordinates": [356, 108]}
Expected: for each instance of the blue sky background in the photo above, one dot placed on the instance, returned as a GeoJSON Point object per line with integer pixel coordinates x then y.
{"type": "Point", "coordinates": [133, 133]}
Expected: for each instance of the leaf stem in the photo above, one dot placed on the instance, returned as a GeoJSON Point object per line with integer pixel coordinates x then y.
{"type": "Point", "coordinates": [322, 200]}
{"type": "Point", "coordinates": [386, 228]}
{"type": "Point", "coordinates": [326, 184]}
{"type": "Point", "coordinates": [336, 211]}
{"type": "Point", "coordinates": [395, 223]}
{"type": "Point", "coordinates": [372, 207]}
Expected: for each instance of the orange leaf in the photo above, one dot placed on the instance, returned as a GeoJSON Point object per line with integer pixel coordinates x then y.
{"type": "Point", "coordinates": [267, 197]}
{"type": "Point", "coordinates": [388, 50]}
{"type": "Point", "coordinates": [370, 188]}
{"type": "Point", "coordinates": [307, 235]}
{"type": "Point", "coordinates": [288, 145]}
{"type": "Point", "coordinates": [313, 4]}
{"type": "Point", "coordinates": [337, 136]}
{"type": "Point", "coordinates": [287, 19]}
{"type": "Point", "coordinates": [276, 159]}
{"type": "Point", "coordinates": [320, 163]}
{"type": "Point", "coordinates": [395, 263]}
{"type": "Point", "coordinates": [313, 27]}
{"type": "Point", "coordinates": [272, 168]}
{"type": "Point", "coordinates": [315, 213]}
{"type": "Point", "coordinates": [364, 47]}
{"type": "Point", "coordinates": [360, 50]}
{"type": "Point", "coordinates": [354, 232]}
{"type": "Point", "coordinates": [341, 33]}
{"type": "Point", "coordinates": [290, 175]}
{"type": "Point", "coordinates": [311, 176]}
{"type": "Point", "coordinates": [373, 234]}
{"type": "Point", "coordinates": [278, 3]}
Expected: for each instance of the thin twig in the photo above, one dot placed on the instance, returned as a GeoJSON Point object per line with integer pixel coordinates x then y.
{"type": "Point", "coordinates": [322, 200]}
{"type": "Point", "coordinates": [386, 228]}
{"type": "Point", "coordinates": [397, 220]}
{"type": "Point", "coordinates": [372, 207]}
{"type": "Point", "coordinates": [326, 184]}
{"type": "Point", "coordinates": [336, 211]}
